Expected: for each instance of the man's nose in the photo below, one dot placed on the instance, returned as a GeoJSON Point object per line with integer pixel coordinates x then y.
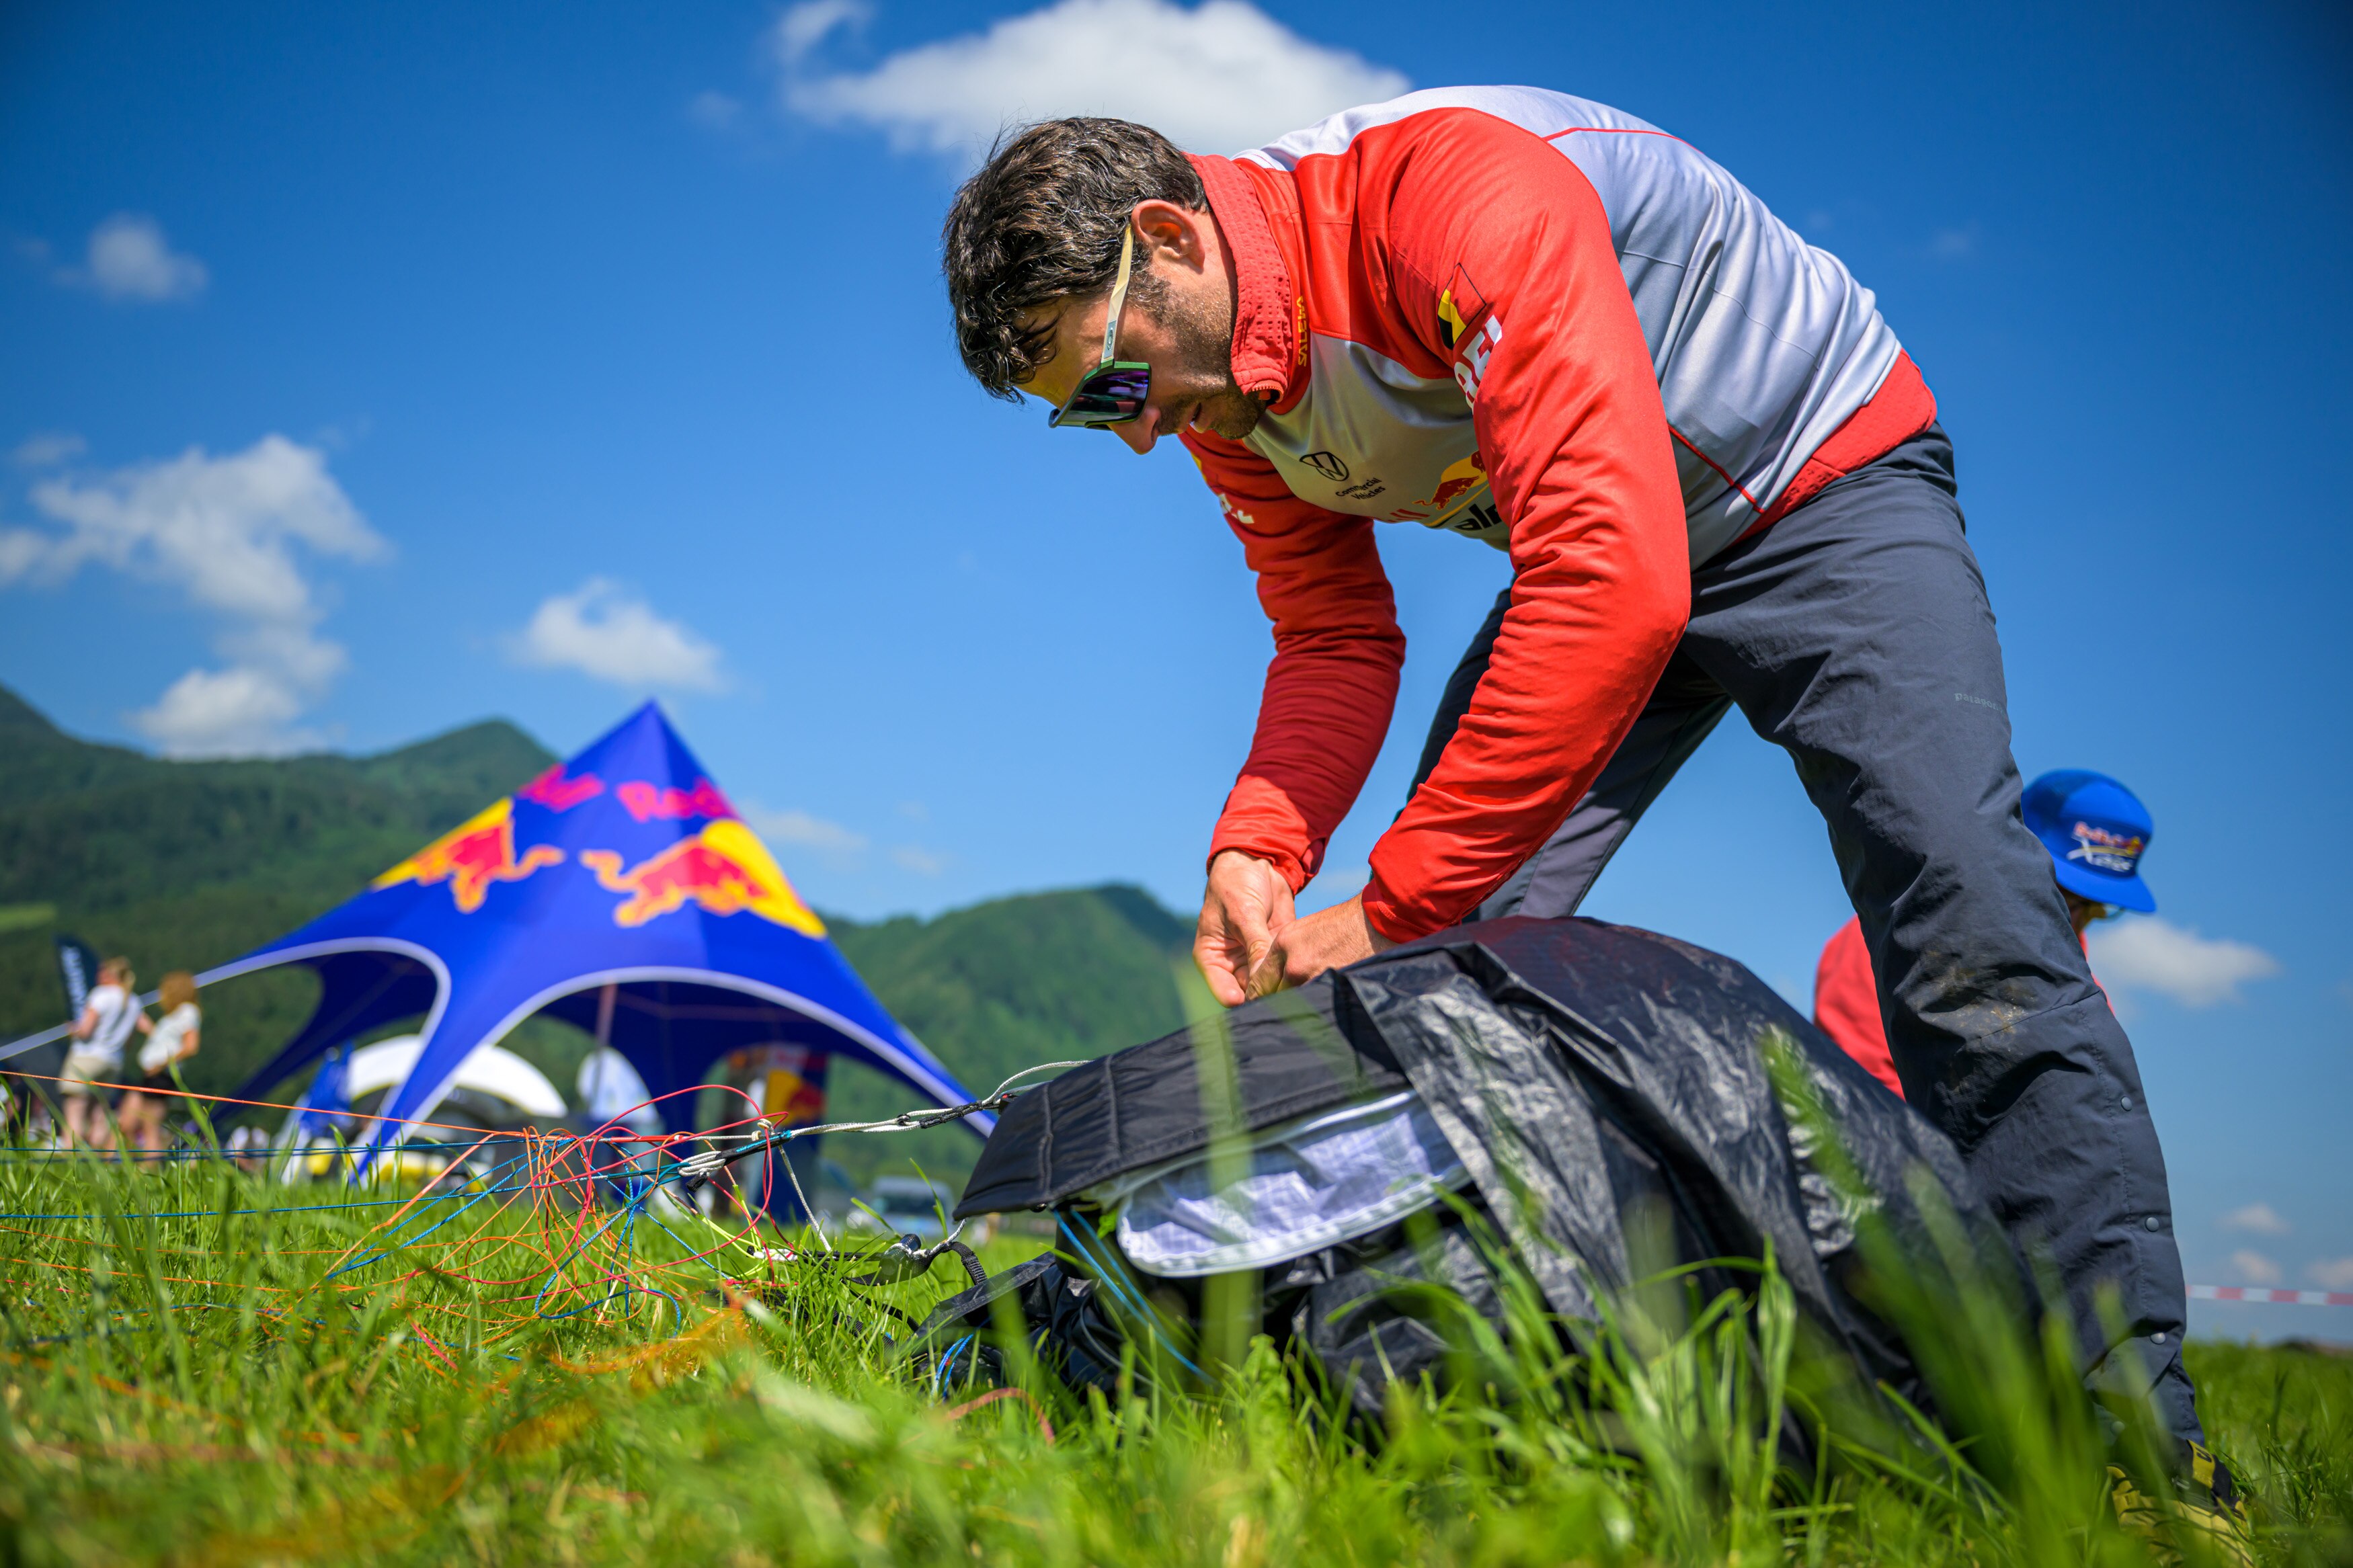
{"type": "Point", "coordinates": [1141, 432]}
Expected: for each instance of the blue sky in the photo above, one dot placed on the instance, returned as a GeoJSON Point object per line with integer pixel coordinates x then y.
{"type": "Point", "coordinates": [372, 370]}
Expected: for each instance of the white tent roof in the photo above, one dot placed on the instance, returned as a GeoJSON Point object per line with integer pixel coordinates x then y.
{"type": "Point", "coordinates": [491, 1069]}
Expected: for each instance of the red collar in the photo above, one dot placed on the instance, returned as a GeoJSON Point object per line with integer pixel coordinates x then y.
{"type": "Point", "coordinates": [1270, 352]}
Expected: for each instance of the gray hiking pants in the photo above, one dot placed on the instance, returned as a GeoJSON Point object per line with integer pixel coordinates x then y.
{"type": "Point", "coordinates": [1855, 635]}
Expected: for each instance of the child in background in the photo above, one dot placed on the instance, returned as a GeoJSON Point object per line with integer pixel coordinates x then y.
{"type": "Point", "coordinates": [95, 1059]}
{"type": "Point", "coordinates": [2096, 831]}
{"type": "Point", "coordinates": [171, 1040]}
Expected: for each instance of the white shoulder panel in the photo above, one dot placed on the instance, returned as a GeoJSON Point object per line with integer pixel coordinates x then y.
{"type": "Point", "coordinates": [1763, 344]}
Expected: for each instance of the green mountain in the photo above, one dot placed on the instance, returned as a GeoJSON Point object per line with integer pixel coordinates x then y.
{"type": "Point", "coordinates": [1001, 986]}
{"type": "Point", "coordinates": [184, 865]}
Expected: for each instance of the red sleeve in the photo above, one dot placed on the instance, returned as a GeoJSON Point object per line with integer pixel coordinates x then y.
{"type": "Point", "coordinates": [1846, 1003]}
{"type": "Point", "coordinates": [1333, 681]}
{"type": "Point", "coordinates": [1488, 226]}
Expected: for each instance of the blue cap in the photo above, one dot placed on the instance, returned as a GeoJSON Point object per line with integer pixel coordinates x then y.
{"type": "Point", "coordinates": [2096, 831]}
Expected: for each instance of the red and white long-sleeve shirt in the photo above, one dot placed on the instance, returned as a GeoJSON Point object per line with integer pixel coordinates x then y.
{"type": "Point", "coordinates": [1546, 325]}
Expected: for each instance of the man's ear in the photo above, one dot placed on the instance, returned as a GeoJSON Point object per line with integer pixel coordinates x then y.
{"type": "Point", "coordinates": [1172, 231]}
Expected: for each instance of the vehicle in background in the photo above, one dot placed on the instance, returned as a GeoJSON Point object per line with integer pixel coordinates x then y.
{"type": "Point", "coordinates": [910, 1205]}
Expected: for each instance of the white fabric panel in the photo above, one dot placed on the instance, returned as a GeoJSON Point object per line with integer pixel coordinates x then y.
{"type": "Point", "coordinates": [1308, 1183]}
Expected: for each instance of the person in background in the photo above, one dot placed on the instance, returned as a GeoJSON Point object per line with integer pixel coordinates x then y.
{"type": "Point", "coordinates": [171, 1040]}
{"type": "Point", "coordinates": [2096, 831]}
{"type": "Point", "coordinates": [95, 1057]}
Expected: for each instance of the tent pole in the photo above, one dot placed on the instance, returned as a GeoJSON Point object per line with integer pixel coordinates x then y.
{"type": "Point", "coordinates": [605, 998]}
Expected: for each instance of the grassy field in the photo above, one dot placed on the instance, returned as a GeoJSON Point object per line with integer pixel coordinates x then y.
{"type": "Point", "coordinates": [204, 1368]}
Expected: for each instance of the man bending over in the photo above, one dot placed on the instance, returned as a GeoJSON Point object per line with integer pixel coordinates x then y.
{"type": "Point", "coordinates": [1551, 328]}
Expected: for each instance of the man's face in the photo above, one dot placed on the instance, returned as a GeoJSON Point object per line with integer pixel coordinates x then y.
{"type": "Point", "coordinates": [1180, 321]}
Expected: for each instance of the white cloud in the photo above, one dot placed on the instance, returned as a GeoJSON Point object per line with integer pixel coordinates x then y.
{"type": "Point", "coordinates": [2260, 1218]}
{"type": "Point", "coordinates": [800, 827]}
{"type": "Point", "coordinates": [225, 531]}
{"type": "Point", "coordinates": [1214, 77]}
{"type": "Point", "coordinates": [921, 861]}
{"type": "Point", "coordinates": [2255, 1268]}
{"type": "Point", "coordinates": [47, 448]}
{"type": "Point", "coordinates": [2336, 1274]}
{"type": "Point", "coordinates": [806, 26]}
{"type": "Point", "coordinates": [603, 630]}
{"type": "Point", "coordinates": [128, 259]}
{"type": "Point", "coordinates": [237, 711]}
{"type": "Point", "coordinates": [2152, 954]}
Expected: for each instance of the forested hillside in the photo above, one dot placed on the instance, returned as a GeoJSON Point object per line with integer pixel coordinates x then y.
{"type": "Point", "coordinates": [186, 864]}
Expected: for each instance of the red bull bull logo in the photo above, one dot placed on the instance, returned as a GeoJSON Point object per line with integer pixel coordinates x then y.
{"type": "Point", "coordinates": [724, 871]}
{"type": "Point", "coordinates": [647, 802]}
{"type": "Point", "coordinates": [1457, 481]}
{"type": "Point", "coordinates": [1463, 477]}
{"type": "Point", "coordinates": [473, 856]}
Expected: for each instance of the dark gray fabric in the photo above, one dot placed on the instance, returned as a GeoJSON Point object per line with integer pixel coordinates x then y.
{"type": "Point", "coordinates": [1856, 635]}
{"type": "Point", "coordinates": [1148, 1103]}
{"type": "Point", "coordinates": [1606, 1089]}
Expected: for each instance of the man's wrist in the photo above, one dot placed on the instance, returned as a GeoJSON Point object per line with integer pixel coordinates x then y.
{"type": "Point", "coordinates": [1294, 876]}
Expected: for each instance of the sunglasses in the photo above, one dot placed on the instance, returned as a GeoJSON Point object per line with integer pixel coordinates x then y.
{"type": "Point", "coordinates": [1113, 392]}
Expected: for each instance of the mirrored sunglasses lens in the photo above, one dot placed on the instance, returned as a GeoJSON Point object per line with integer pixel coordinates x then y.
{"type": "Point", "coordinates": [1108, 397]}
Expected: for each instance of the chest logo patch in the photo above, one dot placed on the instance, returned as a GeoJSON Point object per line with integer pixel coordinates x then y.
{"type": "Point", "coordinates": [1327, 464]}
{"type": "Point", "coordinates": [1461, 478]}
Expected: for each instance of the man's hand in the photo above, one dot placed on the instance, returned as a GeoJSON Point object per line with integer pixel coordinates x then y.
{"type": "Point", "coordinates": [1329, 939]}
{"type": "Point", "coordinates": [1248, 903]}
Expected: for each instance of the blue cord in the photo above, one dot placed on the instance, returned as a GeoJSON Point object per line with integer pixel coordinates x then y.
{"type": "Point", "coordinates": [1113, 1275]}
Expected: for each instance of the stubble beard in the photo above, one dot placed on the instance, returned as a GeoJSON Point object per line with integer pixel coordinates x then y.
{"type": "Point", "coordinates": [1205, 339]}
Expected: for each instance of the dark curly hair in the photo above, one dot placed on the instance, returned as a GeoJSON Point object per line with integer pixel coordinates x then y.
{"type": "Point", "coordinates": [1041, 221]}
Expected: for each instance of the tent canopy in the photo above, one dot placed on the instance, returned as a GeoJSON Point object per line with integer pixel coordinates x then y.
{"type": "Point", "coordinates": [618, 891]}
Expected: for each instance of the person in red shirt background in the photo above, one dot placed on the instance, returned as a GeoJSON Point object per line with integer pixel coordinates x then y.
{"type": "Point", "coordinates": [2096, 831]}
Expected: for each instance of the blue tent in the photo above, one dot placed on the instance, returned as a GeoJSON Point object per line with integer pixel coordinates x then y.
{"type": "Point", "coordinates": [618, 891]}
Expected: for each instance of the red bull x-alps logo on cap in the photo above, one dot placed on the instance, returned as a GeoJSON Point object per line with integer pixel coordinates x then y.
{"type": "Point", "coordinates": [471, 857]}
{"type": "Point", "coordinates": [2105, 849]}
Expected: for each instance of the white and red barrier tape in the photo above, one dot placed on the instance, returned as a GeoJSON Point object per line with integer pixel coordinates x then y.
{"type": "Point", "coordinates": [2291, 1298]}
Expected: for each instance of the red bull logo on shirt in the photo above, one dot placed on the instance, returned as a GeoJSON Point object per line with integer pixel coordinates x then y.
{"type": "Point", "coordinates": [2105, 849]}
{"type": "Point", "coordinates": [1463, 479]}
{"type": "Point", "coordinates": [724, 871]}
{"type": "Point", "coordinates": [473, 856]}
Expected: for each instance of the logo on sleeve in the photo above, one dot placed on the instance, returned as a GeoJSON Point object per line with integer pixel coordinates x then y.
{"type": "Point", "coordinates": [1459, 307]}
{"type": "Point", "coordinates": [1472, 329]}
{"type": "Point", "coordinates": [1470, 358]}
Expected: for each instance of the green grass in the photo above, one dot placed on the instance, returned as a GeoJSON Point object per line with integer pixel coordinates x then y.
{"type": "Point", "coordinates": [207, 1389]}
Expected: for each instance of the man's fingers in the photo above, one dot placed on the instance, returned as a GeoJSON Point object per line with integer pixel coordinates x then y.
{"type": "Point", "coordinates": [1213, 955]}
{"type": "Point", "coordinates": [1268, 972]}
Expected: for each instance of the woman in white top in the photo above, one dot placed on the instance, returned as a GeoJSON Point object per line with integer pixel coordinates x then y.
{"type": "Point", "coordinates": [171, 1040]}
{"type": "Point", "coordinates": [94, 1060]}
